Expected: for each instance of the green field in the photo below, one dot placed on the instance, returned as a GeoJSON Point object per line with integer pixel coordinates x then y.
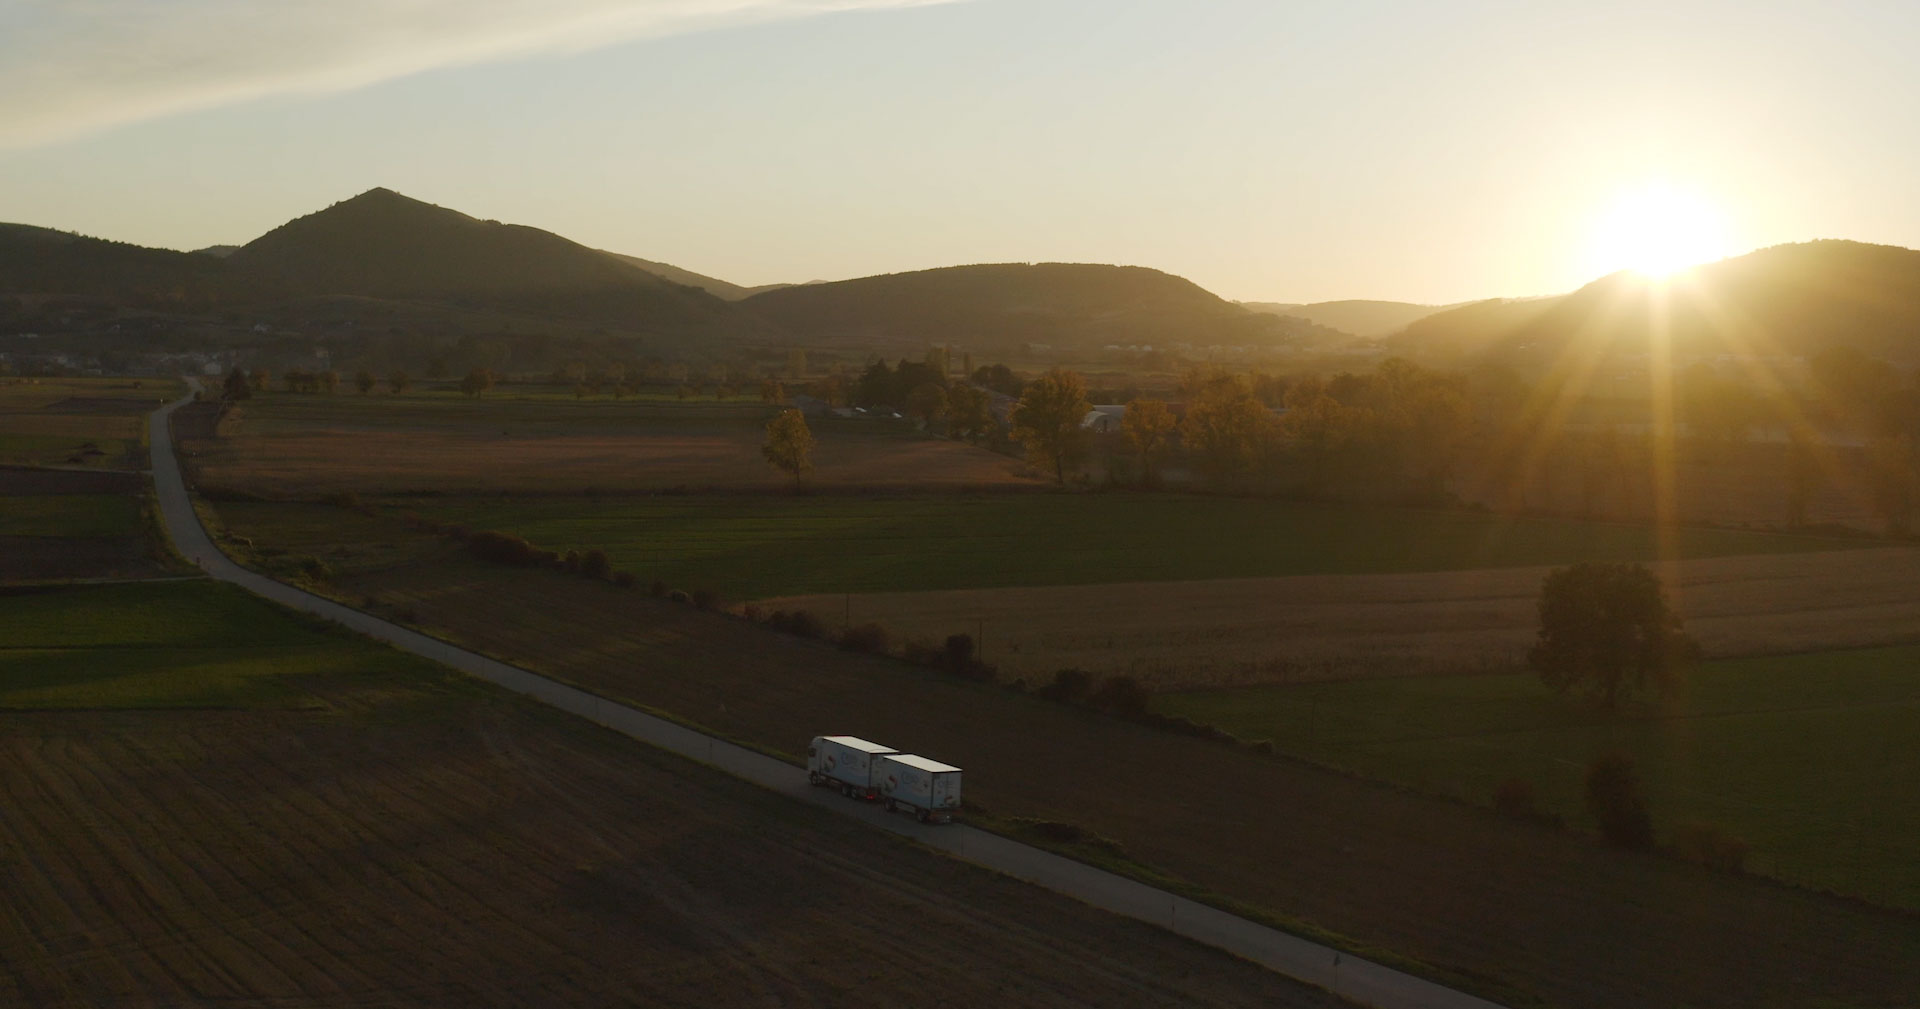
{"type": "Point", "coordinates": [171, 645]}
{"type": "Point", "coordinates": [1814, 760]}
{"type": "Point", "coordinates": [70, 515]}
{"type": "Point", "coordinates": [51, 421]}
{"type": "Point", "coordinates": [750, 547]}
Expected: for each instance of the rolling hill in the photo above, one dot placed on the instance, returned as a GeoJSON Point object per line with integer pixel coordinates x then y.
{"type": "Point", "coordinates": [1004, 304]}
{"type": "Point", "coordinates": [44, 261]}
{"type": "Point", "coordinates": [384, 245]}
{"type": "Point", "coordinates": [1365, 319]}
{"type": "Point", "coordinates": [687, 278]}
{"type": "Point", "coordinates": [1784, 301]}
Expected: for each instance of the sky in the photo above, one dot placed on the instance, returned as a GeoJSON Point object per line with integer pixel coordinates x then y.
{"type": "Point", "coordinates": [1301, 151]}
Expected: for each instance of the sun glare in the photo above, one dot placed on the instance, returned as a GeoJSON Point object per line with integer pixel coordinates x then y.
{"type": "Point", "coordinates": [1658, 230]}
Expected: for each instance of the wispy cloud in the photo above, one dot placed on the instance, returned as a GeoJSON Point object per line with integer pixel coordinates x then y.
{"type": "Point", "coordinates": [69, 67]}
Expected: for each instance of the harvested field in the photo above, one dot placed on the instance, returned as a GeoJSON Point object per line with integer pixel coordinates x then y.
{"type": "Point", "coordinates": [65, 524]}
{"type": "Point", "coordinates": [78, 421]}
{"type": "Point", "coordinates": [294, 446]}
{"type": "Point", "coordinates": [1546, 912]}
{"type": "Point", "coordinates": [1220, 632]}
{"type": "Point", "coordinates": [421, 841]}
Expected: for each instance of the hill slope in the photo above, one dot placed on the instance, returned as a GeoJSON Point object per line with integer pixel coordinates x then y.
{"type": "Point", "coordinates": [687, 278]}
{"type": "Point", "coordinates": [43, 261]}
{"type": "Point", "coordinates": [1788, 300]}
{"type": "Point", "coordinates": [1366, 319]}
{"type": "Point", "coordinates": [1070, 304]}
{"type": "Point", "coordinates": [382, 244]}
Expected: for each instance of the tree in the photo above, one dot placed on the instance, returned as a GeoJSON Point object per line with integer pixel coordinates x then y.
{"type": "Point", "coordinates": [477, 382]}
{"type": "Point", "coordinates": [927, 403]}
{"type": "Point", "coordinates": [970, 413]}
{"type": "Point", "coordinates": [363, 381]}
{"type": "Point", "coordinates": [1148, 427]}
{"type": "Point", "coordinates": [796, 363]}
{"type": "Point", "coordinates": [330, 381]}
{"type": "Point", "coordinates": [772, 392]}
{"type": "Point", "coordinates": [1225, 425]}
{"type": "Point", "coordinates": [236, 386]}
{"type": "Point", "coordinates": [260, 379]}
{"type": "Point", "coordinates": [1615, 800]}
{"type": "Point", "coordinates": [789, 444]}
{"type": "Point", "coordinates": [400, 381]}
{"type": "Point", "coordinates": [1607, 629]}
{"type": "Point", "coordinates": [1048, 418]}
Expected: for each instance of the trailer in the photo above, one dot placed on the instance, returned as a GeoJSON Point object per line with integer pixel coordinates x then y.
{"type": "Point", "coordinates": [847, 763]}
{"type": "Point", "coordinates": [927, 788]}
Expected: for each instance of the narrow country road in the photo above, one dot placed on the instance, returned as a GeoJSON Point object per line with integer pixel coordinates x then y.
{"type": "Point", "coordinates": [1358, 980]}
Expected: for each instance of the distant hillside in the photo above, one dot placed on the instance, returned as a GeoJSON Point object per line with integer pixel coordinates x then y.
{"type": "Point", "coordinates": [43, 261]}
{"type": "Point", "coordinates": [1789, 300]}
{"type": "Point", "coordinates": [1366, 319]}
{"type": "Point", "coordinates": [1068, 304]}
{"type": "Point", "coordinates": [382, 244]}
{"type": "Point", "coordinates": [712, 285]}
{"type": "Point", "coordinates": [217, 251]}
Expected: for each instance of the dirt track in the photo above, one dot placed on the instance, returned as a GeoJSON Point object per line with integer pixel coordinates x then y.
{"type": "Point", "coordinates": [477, 852]}
{"type": "Point", "coordinates": [1255, 630]}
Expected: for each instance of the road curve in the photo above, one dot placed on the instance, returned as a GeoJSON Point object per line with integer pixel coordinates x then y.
{"type": "Point", "coordinates": [1357, 980]}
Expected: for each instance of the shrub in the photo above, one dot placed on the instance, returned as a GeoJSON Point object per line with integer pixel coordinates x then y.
{"type": "Point", "coordinates": [1065, 833]}
{"type": "Point", "coordinates": [1262, 746]}
{"type": "Point", "coordinates": [1068, 686]}
{"type": "Point", "coordinates": [625, 579]}
{"type": "Point", "coordinates": [594, 564]}
{"type": "Point", "coordinates": [502, 548]}
{"type": "Point", "coordinates": [315, 569]}
{"type": "Point", "coordinates": [1709, 845]}
{"type": "Point", "coordinates": [1614, 799]}
{"type": "Point", "coordinates": [753, 613]}
{"type": "Point", "coordinates": [959, 651]}
{"type": "Point", "coordinates": [865, 638]}
{"type": "Point", "coordinates": [706, 599]}
{"type": "Point", "coordinates": [571, 562]}
{"type": "Point", "coordinates": [798, 622]}
{"type": "Point", "coordinates": [1120, 695]}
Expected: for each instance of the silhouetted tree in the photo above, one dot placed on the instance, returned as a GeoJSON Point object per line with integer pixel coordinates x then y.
{"type": "Point", "coordinates": [477, 382]}
{"type": "Point", "coordinates": [236, 386]}
{"type": "Point", "coordinates": [363, 381]}
{"type": "Point", "coordinates": [1607, 629]}
{"type": "Point", "coordinates": [400, 381]}
{"type": "Point", "coordinates": [1148, 427]}
{"type": "Point", "coordinates": [1615, 800]}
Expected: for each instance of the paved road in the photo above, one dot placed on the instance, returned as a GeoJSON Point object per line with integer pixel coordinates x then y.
{"type": "Point", "coordinates": [1359, 980]}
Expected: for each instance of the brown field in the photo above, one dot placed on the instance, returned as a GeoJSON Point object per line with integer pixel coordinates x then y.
{"type": "Point", "coordinates": [1239, 631]}
{"type": "Point", "coordinates": [1545, 912]}
{"type": "Point", "coordinates": [53, 421]}
{"type": "Point", "coordinates": [452, 847]}
{"type": "Point", "coordinates": [302, 446]}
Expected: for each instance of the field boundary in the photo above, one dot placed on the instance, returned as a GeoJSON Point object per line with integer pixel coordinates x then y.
{"type": "Point", "coordinates": [1359, 980]}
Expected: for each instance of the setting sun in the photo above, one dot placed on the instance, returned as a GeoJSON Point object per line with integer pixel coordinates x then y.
{"type": "Point", "coordinates": [1657, 230]}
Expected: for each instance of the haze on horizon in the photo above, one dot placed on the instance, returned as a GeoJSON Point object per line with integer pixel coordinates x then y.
{"type": "Point", "coordinates": [1323, 151]}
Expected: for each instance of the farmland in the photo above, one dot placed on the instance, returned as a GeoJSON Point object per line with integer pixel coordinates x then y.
{"type": "Point", "coordinates": [1219, 632]}
{"type": "Point", "coordinates": [92, 422]}
{"type": "Point", "coordinates": [332, 822]}
{"type": "Point", "coordinates": [1812, 759]}
{"type": "Point", "coordinates": [286, 445]}
{"type": "Point", "coordinates": [757, 546]}
{"type": "Point", "coordinates": [1541, 911]}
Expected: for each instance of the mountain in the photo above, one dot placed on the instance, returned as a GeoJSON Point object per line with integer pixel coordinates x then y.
{"type": "Point", "coordinates": [384, 245]}
{"type": "Point", "coordinates": [1788, 300]}
{"type": "Point", "coordinates": [217, 251]}
{"type": "Point", "coordinates": [1365, 319]}
{"type": "Point", "coordinates": [687, 278]}
{"type": "Point", "coordinates": [1070, 304]}
{"type": "Point", "coordinates": [43, 261]}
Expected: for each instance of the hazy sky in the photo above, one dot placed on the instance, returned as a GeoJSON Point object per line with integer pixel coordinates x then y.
{"type": "Point", "coordinates": [1427, 151]}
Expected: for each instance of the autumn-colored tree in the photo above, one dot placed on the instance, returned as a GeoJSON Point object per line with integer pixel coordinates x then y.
{"type": "Point", "coordinates": [927, 403]}
{"type": "Point", "coordinates": [796, 363]}
{"type": "Point", "coordinates": [477, 382]}
{"type": "Point", "coordinates": [329, 382]}
{"type": "Point", "coordinates": [1607, 629]}
{"type": "Point", "coordinates": [363, 381]}
{"type": "Point", "coordinates": [1048, 420]}
{"type": "Point", "coordinates": [1225, 427]}
{"type": "Point", "coordinates": [970, 413]}
{"type": "Point", "coordinates": [400, 381]}
{"type": "Point", "coordinates": [260, 378]}
{"type": "Point", "coordinates": [789, 444]}
{"type": "Point", "coordinates": [771, 391]}
{"type": "Point", "coordinates": [1148, 427]}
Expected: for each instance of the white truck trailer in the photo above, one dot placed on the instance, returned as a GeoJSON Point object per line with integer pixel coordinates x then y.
{"type": "Point", "coordinates": [927, 788]}
{"type": "Point", "coordinates": [847, 763]}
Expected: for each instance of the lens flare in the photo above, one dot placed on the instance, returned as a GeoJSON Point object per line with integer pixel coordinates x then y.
{"type": "Point", "coordinates": [1657, 230]}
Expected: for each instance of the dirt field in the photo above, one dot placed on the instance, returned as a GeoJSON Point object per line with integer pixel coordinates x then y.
{"type": "Point", "coordinates": [409, 841]}
{"type": "Point", "coordinates": [1276, 630]}
{"type": "Point", "coordinates": [1546, 912]}
{"type": "Point", "coordinates": [288, 446]}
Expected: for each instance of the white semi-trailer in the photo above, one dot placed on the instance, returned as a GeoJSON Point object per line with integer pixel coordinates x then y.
{"type": "Point", "coordinates": [846, 762]}
{"type": "Point", "coordinates": [927, 788]}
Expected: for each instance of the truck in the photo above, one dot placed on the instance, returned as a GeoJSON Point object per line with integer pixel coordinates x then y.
{"type": "Point", "coordinates": [846, 763]}
{"type": "Point", "coordinates": [927, 788]}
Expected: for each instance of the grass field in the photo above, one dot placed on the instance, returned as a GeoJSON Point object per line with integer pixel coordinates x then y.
{"type": "Point", "coordinates": [69, 515]}
{"type": "Point", "coordinates": [749, 547]}
{"type": "Point", "coordinates": [1812, 759]}
{"type": "Point", "coordinates": [95, 422]}
{"type": "Point", "coordinates": [286, 445]}
{"type": "Point", "coordinates": [1547, 912]}
{"type": "Point", "coordinates": [403, 837]}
